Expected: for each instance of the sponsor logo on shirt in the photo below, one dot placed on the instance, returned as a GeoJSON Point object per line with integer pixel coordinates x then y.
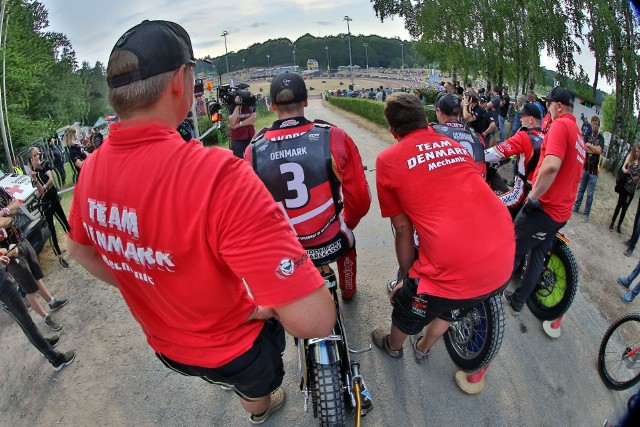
{"type": "Point", "coordinates": [289, 123]}
{"type": "Point", "coordinates": [314, 136]}
{"type": "Point", "coordinates": [285, 268]}
{"type": "Point", "coordinates": [325, 251]}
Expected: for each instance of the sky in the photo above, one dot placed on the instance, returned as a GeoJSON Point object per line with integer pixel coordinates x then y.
{"type": "Point", "coordinates": [93, 27]}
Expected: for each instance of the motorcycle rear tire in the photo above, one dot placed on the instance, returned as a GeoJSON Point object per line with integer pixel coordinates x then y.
{"type": "Point", "coordinates": [557, 286]}
{"type": "Point", "coordinates": [476, 341]}
{"type": "Point", "coordinates": [328, 392]}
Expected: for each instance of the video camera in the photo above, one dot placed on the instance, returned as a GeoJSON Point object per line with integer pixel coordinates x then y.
{"type": "Point", "coordinates": [227, 95]}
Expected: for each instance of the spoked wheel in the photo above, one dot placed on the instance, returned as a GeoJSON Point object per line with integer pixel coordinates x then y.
{"type": "Point", "coordinates": [474, 339]}
{"type": "Point", "coordinates": [328, 397]}
{"type": "Point", "coordinates": [619, 355]}
{"type": "Point", "coordinates": [557, 286]}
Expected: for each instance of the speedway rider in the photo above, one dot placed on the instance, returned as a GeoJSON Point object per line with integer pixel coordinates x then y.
{"type": "Point", "coordinates": [525, 145]}
{"type": "Point", "coordinates": [448, 112]}
{"type": "Point", "coordinates": [315, 174]}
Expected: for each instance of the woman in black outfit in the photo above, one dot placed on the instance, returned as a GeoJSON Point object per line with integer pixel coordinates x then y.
{"type": "Point", "coordinates": [76, 154]}
{"type": "Point", "coordinates": [49, 199]}
{"type": "Point", "coordinates": [626, 187]}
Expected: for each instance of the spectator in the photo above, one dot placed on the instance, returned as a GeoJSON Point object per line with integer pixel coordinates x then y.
{"type": "Point", "coordinates": [494, 111]}
{"type": "Point", "coordinates": [241, 120]}
{"type": "Point", "coordinates": [533, 98]}
{"type": "Point", "coordinates": [380, 95]}
{"type": "Point", "coordinates": [548, 207]}
{"type": "Point", "coordinates": [77, 155]}
{"type": "Point", "coordinates": [586, 126]}
{"type": "Point", "coordinates": [58, 160]}
{"type": "Point", "coordinates": [594, 144]}
{"type": "Point", "coordinates": [24, 265]}
{"type": "Point", "coordinates": [450, 88]}
{"type": "Point", "coordinates": [187, 280]}
{"type": "Point", "coordinates": [517, 121]}
{"type": "Point", "coordinates": [627, 187]}
{"type": "Point", "coordinates": [49, 199]}
{"type": "Point", "coordinates": [625, 282]}
{"type": "Point", "coordinates": [505, 101]}
{"type": "Point", "coordinates": [96, 138]}
{"type": "Point", "coordinates": [435, 282]}
{"type": "Point", "coordinates": [12, 303]}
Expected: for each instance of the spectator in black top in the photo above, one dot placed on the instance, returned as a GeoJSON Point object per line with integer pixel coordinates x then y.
{"type": "Point", "coordinates": [586, 127]}
{"type": "Point", "coordinates": [96, 139]}
{"type": "Point", "coordinates": [76, 154]}
{"type": "Point", "coordinates": [504, 111]}
{"type": "Point", "coordinates": [58, 160]}
{"type": "Point", "coordinates": [476, 116]}
{"type": "Point", "coordinates": [594, 144]}
{"type": "Point", "coordinates": [49, 199]}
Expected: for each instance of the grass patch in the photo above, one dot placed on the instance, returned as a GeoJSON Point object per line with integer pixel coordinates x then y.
{"type": "Point", "coordinates": [370, 109]}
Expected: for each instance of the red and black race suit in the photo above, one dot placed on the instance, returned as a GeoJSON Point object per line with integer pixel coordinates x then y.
{"type": "Point", "coordinates": [299, 183]}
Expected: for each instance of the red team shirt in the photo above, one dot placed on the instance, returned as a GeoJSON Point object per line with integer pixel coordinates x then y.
{"type": "Point", "coordinates": [175, 225]}
{"type": "Point", "coordinates": [564, 140]}
{"type": "Point", "coordinates": [466, 235]}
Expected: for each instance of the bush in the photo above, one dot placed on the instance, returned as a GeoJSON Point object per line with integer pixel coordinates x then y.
{"type": "Point", "coordinates": [371, 110]}
{"type": "Point", "coordinates": [429, 94]}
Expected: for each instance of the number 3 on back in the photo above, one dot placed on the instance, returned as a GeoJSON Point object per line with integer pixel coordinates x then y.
{"type": "Point", "coordinates": [296, 184]}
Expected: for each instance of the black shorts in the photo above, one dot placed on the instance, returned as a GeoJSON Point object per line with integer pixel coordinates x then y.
{"type": "Point", "coordinates": [256, 373]}
{"type": "Point", "coordinates": [25, 267]}
{"type": "Point", "coordinates": [413, 311]}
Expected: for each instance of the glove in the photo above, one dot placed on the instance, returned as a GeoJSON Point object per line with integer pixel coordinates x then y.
{"type": "Point", "coordinates": [532, 205]}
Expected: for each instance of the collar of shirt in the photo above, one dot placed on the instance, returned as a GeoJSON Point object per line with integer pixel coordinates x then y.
{"type": "Point", "coordinates": [289, 122]}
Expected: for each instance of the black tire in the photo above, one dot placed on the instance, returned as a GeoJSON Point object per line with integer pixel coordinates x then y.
{"type": "Point", "coordinates": [619, 355]}
{"type": "Point", "coordinates": [327, 390]}
{"type": "Point", "coordinates": [474, 340]}
{"type": "Point", "coordinates": [557, 286]}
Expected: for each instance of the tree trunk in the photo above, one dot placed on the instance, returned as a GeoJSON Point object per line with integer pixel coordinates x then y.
{"type": "Point", "coordinates": [595, 80]}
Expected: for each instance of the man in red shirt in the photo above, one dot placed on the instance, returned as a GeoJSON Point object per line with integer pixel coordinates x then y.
{"type": "Point", "coordinates": [241, 120]}
{"type": "Point", "coordinates": [184, 245]}
{"type": "Point", "coordinates": [315, 174]}
{"type": "Point", "coordinates": [429, 183]}
{"type": "Point", "coordinates": [525, 145]}
{"type": "Point", "coordinates": [555, 184]}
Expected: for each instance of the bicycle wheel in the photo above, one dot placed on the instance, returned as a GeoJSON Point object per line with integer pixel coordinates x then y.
{"type": "Point", "coordinates": [327, 389]}
{"type": "Point", "coordinates": [473, 340]}
{"type": "Point", "coordinates": [557, 286]}
{"type": "Point", "coordinates": [619, 355]}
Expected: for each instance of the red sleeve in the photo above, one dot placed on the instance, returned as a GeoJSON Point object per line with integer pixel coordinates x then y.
{"type": "Point", "coordinates": [257, 243]}
{"type": "Point", "coordinates": [389, 204]}
{"type": "Point", "coordinates": [355, 189]}
{"type": "Point", "coordinates": [519, 143]}
{"type": "Point", "coordinates": [555, 140]}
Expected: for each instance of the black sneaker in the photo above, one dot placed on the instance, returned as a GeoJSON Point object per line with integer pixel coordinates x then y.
{"type": "Point", "coordinates": [63, 263]}
{"type": "Point", "coordinates": [57, 304]}
{"type": "Point", "coordinates": [53, 341]}
{"type": "Point", "coordinates": [52, 323]}
{"type": "Point", "coordinates": [509, 297]}
{"type": "Point", "coordinates": [64, 360]}
{"type": "Point", "coordinates": [629, 251]}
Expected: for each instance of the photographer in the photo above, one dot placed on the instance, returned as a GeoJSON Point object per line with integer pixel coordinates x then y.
{"type": "Point", "coordinates": [242, 116]}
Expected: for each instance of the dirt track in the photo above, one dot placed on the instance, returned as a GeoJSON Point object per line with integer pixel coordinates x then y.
{"type": "Point", "coordinates": [534, 381]}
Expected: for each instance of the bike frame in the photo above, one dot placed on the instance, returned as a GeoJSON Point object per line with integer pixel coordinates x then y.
{"type": "Point", "coordinates": [330, 350]}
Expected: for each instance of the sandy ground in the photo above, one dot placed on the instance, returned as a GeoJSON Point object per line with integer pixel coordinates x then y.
{"type": "Point", "coordinates": [534, 380]}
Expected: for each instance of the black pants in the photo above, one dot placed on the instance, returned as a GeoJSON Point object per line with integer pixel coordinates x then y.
{"type": "Point", "coordinates": [11, 298]}
{"type": "Point", "coordinates": [624, 200]}
{"type": "Point", "coordinates": [238, 147]}
{"type": "Point", "coordinates": [61, 174]}
{"type": "Point", "coordinates": [50, 209]}
{"type": "Point", "coordinates": [535, 232]}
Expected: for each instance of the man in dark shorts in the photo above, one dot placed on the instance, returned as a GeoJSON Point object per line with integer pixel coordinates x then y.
{"type": "Point", "coordinates": [548, 206]}
{"type": "Point", "coordinates": [206, 303]}
{"type": "Point", "coordinates": [461, 261]}
{"type": "Point", "coordinates": [24, 266]}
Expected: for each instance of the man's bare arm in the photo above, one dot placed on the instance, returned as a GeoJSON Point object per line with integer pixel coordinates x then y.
{"type": "Point", "coordinates": [310, 317]}
{"type": "Point", "coordinates": [548, 171]}
{"type": "Point", "coordinates": [89, 258]}
{"type": "Point", "coordinates": [405, 249]}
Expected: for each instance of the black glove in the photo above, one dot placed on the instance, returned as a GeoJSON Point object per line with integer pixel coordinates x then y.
{"type": "Point", "coordinates": [532, 205]}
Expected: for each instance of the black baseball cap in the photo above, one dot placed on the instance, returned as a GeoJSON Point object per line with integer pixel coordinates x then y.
{"type": "Point", "coordinates": [560, 95]}
{"type": "Point", "coordinates": [531, 109]}
{"type": "Point", "coordinates": [448, 104]}
{"type": "Point", "coordinates": [290, 81]}
{"type": "Point", "coordinates": [483, 98]}
{"type": "Point", "coordinates": [160, 46]}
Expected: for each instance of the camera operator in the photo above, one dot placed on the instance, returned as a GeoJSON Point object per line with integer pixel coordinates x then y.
{"type": "Point", "coordinates": [241, 120]}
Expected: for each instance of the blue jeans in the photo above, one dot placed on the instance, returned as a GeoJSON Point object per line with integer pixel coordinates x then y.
{"type": "Point", "coordinates": [501, 121]}
{"type": "Point", "coordinates": [627, 281]}
{"type": "Point", "coordinates": [11, 298]}
{"type": "Point", "coordinates": [587, 182]}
